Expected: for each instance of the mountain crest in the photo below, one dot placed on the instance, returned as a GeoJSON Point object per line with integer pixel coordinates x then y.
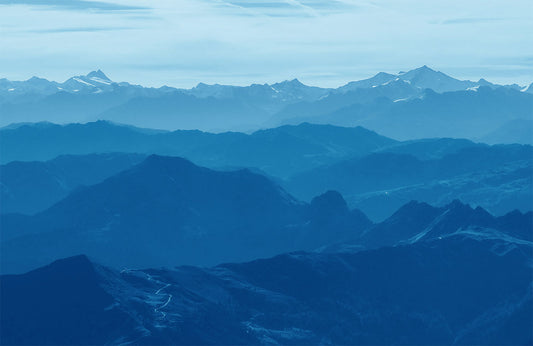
{"type": "Point", "coordinates": [290, 83]}
{"type": "Point", "coordinates": [98, 74]}
{"type": "Point", "coordinates": [331, 202]}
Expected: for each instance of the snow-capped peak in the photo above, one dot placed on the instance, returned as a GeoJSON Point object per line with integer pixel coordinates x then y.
{"type": "Point", "coordinates": [98, 75]}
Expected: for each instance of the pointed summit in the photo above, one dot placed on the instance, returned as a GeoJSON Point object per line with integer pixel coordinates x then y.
{"type": "Point", "coordinates": [295, 81]}
{"type": "Point", "coordinates": [420, 71]}
{"type": "Point", "coordinates": [98, 74]}
{"type": "Point", "coordinates": [427, 78]}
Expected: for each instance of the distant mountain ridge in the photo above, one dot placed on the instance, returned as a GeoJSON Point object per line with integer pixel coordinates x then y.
{"type": "Point", "coordinates": [97, 82]}
{"type": "Point", "coordinates": [219, 108]}
{"type": "Point", "coordinates": [280, 151]}
{"type": "Point", "coordinates": [422, 78]}
{"type": "Point", "coordinates": [500, 178]}
{"type": "Point", "coordinates": [470, 114]}
{"type": "Point", "coordinates": [374, 173]}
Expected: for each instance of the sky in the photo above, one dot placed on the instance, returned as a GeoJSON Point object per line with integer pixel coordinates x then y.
{"type": "Point", "coordinates": [321, 42]}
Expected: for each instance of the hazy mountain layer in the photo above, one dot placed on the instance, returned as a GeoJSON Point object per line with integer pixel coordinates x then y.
{"type": "Point", "coordinates": [499, 178]}
{"type": "Point", "coordinates": [374, 173]}
{"type": "Point", "coordinates": [388, 103]}
{"type": "Point", "coordinates": [280, 152]}
{"type": "Point", "coordinates": [167, 211]}
{"type": "Point", "coordinates": [29, 187]}
{"type": "Point", "coordinates": [466, 114]}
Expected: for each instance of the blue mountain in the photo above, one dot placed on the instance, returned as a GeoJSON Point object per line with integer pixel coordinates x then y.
{"type": "Point", "coordinates": [280, 152]}
{"type": "Point", "coordinates": [417, 222]}
{"type": "Point", "coordinates": [497, 178]}
{"type": "Point", "coordinates": [167, 211]}
{"type": "Point", "coordinates": [374, 173]}
{"type": "Point", "coordinates": [461, 114]}
{"type": "Point", "coordinates": [229, 108]}
{"type": "Point", "coordinates": [29, 187]}
{"type": "Point", "coordinates": [467, 286]}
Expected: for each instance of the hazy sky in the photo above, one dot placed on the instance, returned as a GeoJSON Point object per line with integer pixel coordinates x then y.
{"type": "Point", "coordinates": [321, 42]}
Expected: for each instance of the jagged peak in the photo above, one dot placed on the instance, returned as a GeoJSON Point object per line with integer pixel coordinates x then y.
{"type": "Point", "coordinates": [292, 82]}
{"type": "Point", "coordinates": [456, 203]}
{"type": "Point", "coordinates": [98, 74]}
{"type": "Point", "coordinates": [295, 81]}
{"type": "Point", "coordinates": [423, 70]}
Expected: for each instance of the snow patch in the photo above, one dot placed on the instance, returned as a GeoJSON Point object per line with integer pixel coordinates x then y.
{"type": "Point", "coordinates": [392, 80]}
{"type": "Point", "coordinates": [82, 81]}
{"type": "Point", "coordinates": [428, 229]}
{"type": "Point", "coordinates": [100, 80]}
{"type": "Point", "coordinates": [490, 234]}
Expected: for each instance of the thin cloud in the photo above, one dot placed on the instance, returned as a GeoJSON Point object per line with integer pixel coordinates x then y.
{"type": "Point", "coordinates": [470, 20]}
{"type": "Point", "coordinates": [288, 8]}
{"type": "Point", "coordinates": [183, 42]}
{"type": "Point", "coordinates": [79, 29]}
{"type": "Point", "coordinates": [73, 5]}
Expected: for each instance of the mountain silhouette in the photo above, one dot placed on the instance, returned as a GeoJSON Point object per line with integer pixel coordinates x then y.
{"type": "Point", "coordinates": [168, 211]}
{"type": "Point", "coordinates": [30, 187]}
{"type": "Point", "coordinates": [497, 178]}
{"type": "Point", "coordinates": [219, 108]}
{"type": "Point", "coordinates": [460, 289]}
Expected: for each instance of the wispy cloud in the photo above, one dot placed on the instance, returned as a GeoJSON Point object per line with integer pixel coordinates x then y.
{"type": "Point", "coordinates": [78, 29]}
{"type": "Point", "coordinates": [326, 42]}
{"type": "Point", "coordinates": [471, 20]}
{"type": "Point", "coordinates": [74, 5]}
{"type": "Point", "coordinates": [288, 8]}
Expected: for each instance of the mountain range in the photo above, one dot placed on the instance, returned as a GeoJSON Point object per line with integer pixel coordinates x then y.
{"type": "Point", "coordinates": [437, 103]}
{"type": "Point", "coordinates": [29, 187]}
{"type": "Point", "coordinates": [465, 279]}
{"type": "Point", "coordinates": [374, 173]}
{"type": "Point", "coordinates": [194, 215]}
{"type": "Point", "coordinates": [396, 209]}
{"type": "Point", "coordinates": [499, 178]}
{"type": "Point", "coordinates": [167, 210]}
{"type": "Point", "coordinates": [280, 151]}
